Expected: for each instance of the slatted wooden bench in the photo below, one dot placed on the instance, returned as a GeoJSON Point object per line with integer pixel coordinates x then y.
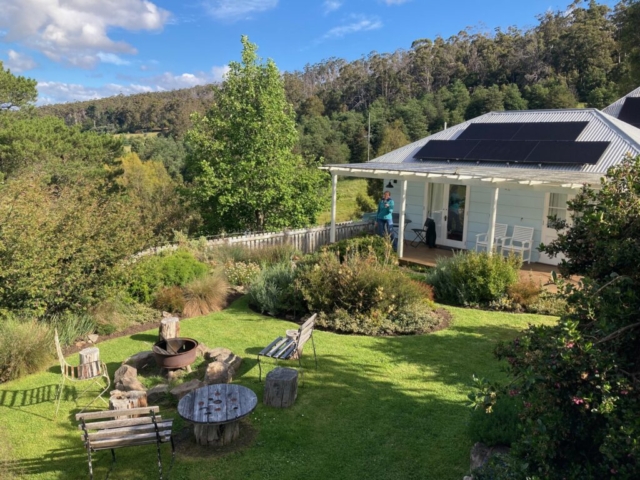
{"type": "Point", "coordinates": [286, 348]}
{"type": "Point", "coordinates": [110, 432]}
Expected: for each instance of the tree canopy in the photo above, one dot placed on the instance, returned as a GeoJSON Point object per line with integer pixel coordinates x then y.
{"type": "Point", "coordinates": [245, 173]}
{"type": "Point", "coordinates": [16, 91]}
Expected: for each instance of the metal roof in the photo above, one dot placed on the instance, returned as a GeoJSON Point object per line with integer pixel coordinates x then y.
{"type": "Point", "coordinates": [624, 139]}
{"type": "Point", "coordinates": [615, 107]}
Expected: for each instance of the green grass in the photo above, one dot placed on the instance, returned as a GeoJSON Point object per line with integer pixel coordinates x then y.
{"type": "Point", "coordinates": [346, 207]}
{"type": "Point", "coordinates": [391, 408]}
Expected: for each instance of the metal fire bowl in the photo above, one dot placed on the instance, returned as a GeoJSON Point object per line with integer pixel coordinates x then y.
{"type": "Point", "coordinates": [185, 356]}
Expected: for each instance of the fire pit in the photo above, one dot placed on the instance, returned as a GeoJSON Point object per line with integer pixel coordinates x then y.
{"type": "Point", "coordinates": [175, 352]}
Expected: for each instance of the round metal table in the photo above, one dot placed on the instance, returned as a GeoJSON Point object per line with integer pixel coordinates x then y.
{"type": "Point", "coordinates": [215, 411]}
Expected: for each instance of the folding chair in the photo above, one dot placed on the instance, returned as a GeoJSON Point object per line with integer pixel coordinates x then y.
{"type": "Point", "coordinates": [92, 373]}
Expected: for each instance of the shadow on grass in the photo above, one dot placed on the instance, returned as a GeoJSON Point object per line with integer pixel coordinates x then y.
{"type": "Point", "coordinates": [145, 337]}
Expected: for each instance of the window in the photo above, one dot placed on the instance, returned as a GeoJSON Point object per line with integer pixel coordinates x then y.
{"type": "Point", "coordinates": [557, 207]}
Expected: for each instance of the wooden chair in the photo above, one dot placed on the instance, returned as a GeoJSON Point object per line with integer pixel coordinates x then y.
{"type": "Point", "coordinates": [499, 235]}
{"type": "Point", "coordinates": [520, 241]}
{"type": "Point", "coordinates": [92, 372]}
{"type": "Point", "coordinates": [111, 432]}
{"type": "Point", "coordinates": [286, 348]}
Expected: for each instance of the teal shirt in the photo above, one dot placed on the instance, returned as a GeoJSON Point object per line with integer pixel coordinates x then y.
{"type": "Point", "coordinates": [385, 213]}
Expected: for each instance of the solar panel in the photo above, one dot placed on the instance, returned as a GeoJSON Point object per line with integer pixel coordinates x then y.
{"type": "Point", "coordinates": [567, 152]}
{"type": "Point", "coordinates": [630, 111]}
{"type": "Point", "coordinates": [490, 131]}
{"type": "Point", "coordinates": [546, 131]}
{"type": "Point", "coordinates": [446, 149]}
{"type": "Point", "coordinates": [501, 150]}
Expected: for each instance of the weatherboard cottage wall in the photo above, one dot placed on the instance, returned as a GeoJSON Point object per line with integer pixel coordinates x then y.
{"type": "Point", "coordinates": [515, 207]}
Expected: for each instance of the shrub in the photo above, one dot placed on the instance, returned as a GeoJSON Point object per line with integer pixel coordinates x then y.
{"type": "Point", "coordinates": [361, 295]}
{"type": "Point", "coordinates": [473, 278]}
{"type": "Point", "coordinates": [120, 312]}
{"type": "Point", "coordinates": [170, 299]}
{"type": "Point", "coordinates": [502, 467]}
{"type": "Point", "coordinates": [72, 326]}
{"type": "Point", "coordinates": [154, 272]}
{"type": "Point", "coordinates": [275, 292]}
{"type": "Point", "coordinates": [25, 347]}
{"type": "Point", "coordinates": [498, 427]}
{"type": "Point", "coordinates": [234, 253]}
{"type": "Point", "coordinates": [205, 295]}
{"type": "Point", "coordinates": [379, 246]}
{"type": "Point", "coordinates": [524, 293]}
{"type": "Point", "coordinates": [240, 273]}
{"type": "Point", "coordinates": [548, 304]}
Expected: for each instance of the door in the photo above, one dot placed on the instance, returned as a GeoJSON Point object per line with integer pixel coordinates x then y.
{"type": "Point", "coordinates": [449, 211]}
{"type": "Point", "coordinates": [555, 206]}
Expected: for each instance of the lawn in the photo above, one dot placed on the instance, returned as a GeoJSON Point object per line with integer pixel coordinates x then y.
{"type": "Point", "coordinates": [376, 408]}
{"type": "Point", "coordinates": [346, 207]}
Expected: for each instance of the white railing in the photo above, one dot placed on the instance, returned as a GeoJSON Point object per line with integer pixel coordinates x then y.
{"type": "Point", "coordinates": [307, 240]}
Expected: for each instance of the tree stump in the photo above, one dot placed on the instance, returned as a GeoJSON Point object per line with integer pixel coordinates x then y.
{"type": "Point", "coordinates": [169, 328]}
{"type": "Point", "coordinates": [127, 400]}
{"type": "Point", "coordinates": [216, 435]}
{"type": "Point", "coordinates": [281, 387]}
{"type": "Point", "coordinates": [89, 366]}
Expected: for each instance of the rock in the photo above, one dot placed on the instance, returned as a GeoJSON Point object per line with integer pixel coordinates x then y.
{"type": "Point", "coordinates": [80, 344]}
{"type": "Point", "coordinates": [480, 453]}
{"type": "Point", "coordinates": [125, 371]}
{"type": "Point", "coordinates": [181, 390]}
{"type": "Point", "coordinates": [157, 394]}
{"type": "Point", "coordinates": [93, 338]}
{"type": "Point", "coordinates": [202, 350]}
{"type": "Point", "coordinates": [217, 372]}
{"type": "Point", "coordinates": [166, 315]}
{"type": "Point", "coordinates": [140, 360]}
{"type": "Point", "coordinates": [468, 477]}
{"type": "Point", "coordinates": [120, 400]}
{"type": "Point", "coordinates": [128, 384]}
{"type": "Point", "coordinates": [175, 374]}
{"type": "Point", "coordinates": [221, 354]}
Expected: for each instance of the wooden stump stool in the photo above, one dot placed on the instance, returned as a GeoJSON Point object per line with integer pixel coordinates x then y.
{"type": "Point", "coordinates": [127, 400]}
{"type": "Point", "coordinates": [281, 387]}
{"type": "Point", "coordinates": [89, 363]}
{"type": "Point", "coordinates": [169, 328]}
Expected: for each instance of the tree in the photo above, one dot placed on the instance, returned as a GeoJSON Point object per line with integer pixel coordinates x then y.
{"type": "Point", "coordinates": [16, 91]}
{"type": "Point", "coordinates": [246, 176]}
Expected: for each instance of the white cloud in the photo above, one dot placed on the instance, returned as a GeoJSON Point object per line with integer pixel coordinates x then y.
{"type": "Point", "coordinates": [112, 58]}
{"type": "Point", "coordinates": [331, 5]}
{"type": "Point", "coordinates": [76, 31]}
{"type": "Point", "coordinates": [59, 92]}
{"type": "Point", "coordinates": [359, 23]}
{"type": "Point", "coordinates": [237, 9]}
{"type": "Point", "coordinates": [19, 62]}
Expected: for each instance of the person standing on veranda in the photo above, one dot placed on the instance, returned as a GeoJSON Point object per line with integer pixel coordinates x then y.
{"type": "Point", "coordinates": [384, 216]}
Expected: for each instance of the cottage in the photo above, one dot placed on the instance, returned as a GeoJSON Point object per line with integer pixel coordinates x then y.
{"type": "Point", "coordinates": [515, 167]}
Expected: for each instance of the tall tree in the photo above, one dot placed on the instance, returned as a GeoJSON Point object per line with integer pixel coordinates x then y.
{"type": "Point", "coordinates": [16, 91]}
{"type": "Point", "coordinates": [246, 176]}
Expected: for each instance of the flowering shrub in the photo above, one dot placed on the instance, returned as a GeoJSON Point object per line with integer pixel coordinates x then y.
{"type": "Point", "coordinates": [241, 273]}
{"type": "Point", "coordinates": [579, 381]}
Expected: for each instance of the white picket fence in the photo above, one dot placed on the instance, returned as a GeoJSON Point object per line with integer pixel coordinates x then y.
{"type": "Point", "coordinates": [306, 240]}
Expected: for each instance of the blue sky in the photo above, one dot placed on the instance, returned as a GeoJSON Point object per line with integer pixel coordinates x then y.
{"type": "Point", "coordinates": [83, 49]}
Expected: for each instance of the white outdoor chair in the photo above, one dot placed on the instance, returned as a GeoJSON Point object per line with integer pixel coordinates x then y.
{"type": "Point", "coordinates": [91, 373]}
{"type": "Point", "coordinates": [499, 235]}
{"type": "Point", "coordinates": [520, 241]}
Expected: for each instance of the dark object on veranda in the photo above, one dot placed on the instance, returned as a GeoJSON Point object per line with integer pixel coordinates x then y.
{"type": "Point", "coordinates": [426, 234]}
{"type": "Point", "coordinates": [185, 356]}
{"type": "Point", "coordinates": [107, 433]}
{"type": "Point", "coordinates": [287, 348]}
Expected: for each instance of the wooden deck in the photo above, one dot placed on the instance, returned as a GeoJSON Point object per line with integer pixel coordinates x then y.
{"type": "Point", "coordinates": [421, 255]}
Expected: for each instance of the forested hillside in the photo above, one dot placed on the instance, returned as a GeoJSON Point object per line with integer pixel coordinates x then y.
{"type": "Point", "coordinates": [587, 55]}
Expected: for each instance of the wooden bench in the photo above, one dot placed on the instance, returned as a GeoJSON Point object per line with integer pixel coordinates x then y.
{"type": "Point", "coordinates": [287, 348]}
{"type": "Point", "coordinates": [110, 432]}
